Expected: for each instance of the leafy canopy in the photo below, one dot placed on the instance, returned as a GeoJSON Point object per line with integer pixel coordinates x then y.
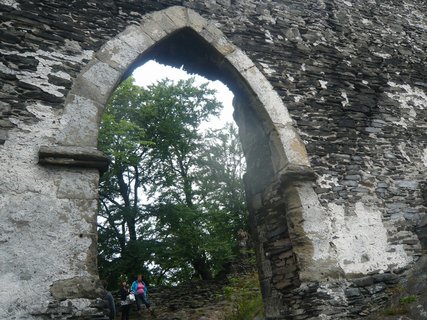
{"type": "Point", "coordinates": [172, 201]}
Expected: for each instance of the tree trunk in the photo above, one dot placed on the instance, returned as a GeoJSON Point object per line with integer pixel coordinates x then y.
{"type": "Point", "coordinates": [201, 266]}
{"type": "Point", "coordinates": [129, 209]}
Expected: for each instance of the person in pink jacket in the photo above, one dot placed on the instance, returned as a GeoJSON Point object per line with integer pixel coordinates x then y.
{"type": "Point", "coordinates": [139, 289]}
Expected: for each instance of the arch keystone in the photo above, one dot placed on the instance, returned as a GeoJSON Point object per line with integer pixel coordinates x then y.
{"type": "Point", "coordinates": [196, 21]}
{"type": "Point", "coordinates": [178, 15]}
{"type": "Point", "coordinates": [166, 23]}
{"type": "Point", "coordinates": [153, 29]}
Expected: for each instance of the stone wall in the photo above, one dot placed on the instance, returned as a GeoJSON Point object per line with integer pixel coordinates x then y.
{"type": "Point", "coordinates": [350, 73]}
{"type": "Point", "coordinates": [199, 300]}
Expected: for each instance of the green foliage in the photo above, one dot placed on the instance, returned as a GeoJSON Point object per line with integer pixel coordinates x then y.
{"type": "Point", "coordinates": [246, 296]}
{"type": "Point", "coordinates": [407, 299]}
{"type": "Point", "coordinates": [396, 311]}
{"type": "Point", "coordinates": [401, 302]}
{"type": "Point", "coordinates": [172, 201]}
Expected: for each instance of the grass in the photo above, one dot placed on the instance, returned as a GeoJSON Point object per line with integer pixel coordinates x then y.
{"type": "Point", "coordinates": [402, 308]}
{"type": "Point", "coordinates": [396, 311]}
{"type": "Point", "coordinates": [407, 299]}
{"type": "Point", "coordinates": [246, 297]}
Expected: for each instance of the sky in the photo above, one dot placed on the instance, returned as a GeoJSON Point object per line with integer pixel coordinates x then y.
{"type": "Point", "coordinates": [151, 72]}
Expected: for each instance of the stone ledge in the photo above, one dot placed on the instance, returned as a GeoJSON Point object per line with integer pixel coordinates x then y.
{"type": "Point", "coordinates": [296, 173]}
{"type": "Point", "coordinates": [71, 156]}
{"type": "Point", "coordinates": [79, 287]}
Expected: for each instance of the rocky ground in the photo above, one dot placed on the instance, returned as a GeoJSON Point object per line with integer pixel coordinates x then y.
{"type": "Point", "coordinates": [197, 301]}
{"type": "Point", "coordinates": [236, 297]}
{"type": "Point", "coordinates": [408, 298]}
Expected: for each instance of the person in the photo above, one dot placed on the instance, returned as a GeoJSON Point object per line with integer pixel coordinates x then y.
{"type": "Point", "coordinates": [109, 299]}
{"type": "Point", "coordinates": [140, 290]}
{"type": "Point", "coordinates": [125, 302]}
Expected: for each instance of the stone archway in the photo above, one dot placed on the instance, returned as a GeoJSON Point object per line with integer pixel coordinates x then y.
{"type": "Point", "coordinates": [290, 226]}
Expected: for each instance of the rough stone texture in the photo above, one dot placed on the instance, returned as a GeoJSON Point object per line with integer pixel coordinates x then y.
{"type": "Point", "coordinates": [203, 300]}
{"type": "Point", "coordinates": [73, 157]}
{"type": "Point", "coordinates": [352, 77]}
{"type": "Point", "coordinates": [194, 301]}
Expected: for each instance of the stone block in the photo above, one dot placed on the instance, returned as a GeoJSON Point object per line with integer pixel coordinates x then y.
{"type": "Point", "coordinates": [76, 185]}
{"type": "Point", "coordinates": [353, 177]}
{"type": "Point", "coordinates": [373, 129]}
{"type": "Point", "coordinates": [77, 287]}
{"type": "Point", "coordinates": [79, 124]}
{"type": "Point", "coordinates": [407, 184]}
{"type": "Point", "coordinates": [216, 38]}
{"type": "Point", "coordinates": [97, 81]}
{"type": "Point", "coordinates": [276, 112]}
{"type": "Point", "coordinates": [163, 19]}
{"type": "Point", "coordinates": [117, 54]}
{"type": "Point", "coordinates": [153, 29]}
{"type": "Point", "coordinates": [363, 282]}
{"type": "Point", "coordinates": [239, 60]}
{"type": "Point", "coordinates": [360, 190]}
{"type": "Point", "coordinates": [178, 15]}
{"type": "Point", "coordinates": [196, 21]}
{"type": "Point", "coordinates": [350, 183]}
{"type": "Point", "coordinates": [3, 136]}
{"type": "Point", "coordinates": [137, 40]}
{"type": "Point", "coordinates": [292, 199]}
{"type": "Point", "coordinates": [73, 157]}
{"type": "Point", "coordinates": [293, 145]}
{"type": "Point", "coordinates": [283, 284]}
{"type": "Point", "coordinates": [385, 277]}
{"type": "Point", "coordinates": [352, 292]}
{"type": "Point", "coordinates": [292, 174]}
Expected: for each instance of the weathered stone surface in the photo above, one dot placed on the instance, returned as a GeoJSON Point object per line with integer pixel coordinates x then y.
{"type": "Point", "coordinates": [78, 287]}
{"type": "Point", "coordinates": [293, 173]}
{"type": "Point", "coordinates": [338, 86]}
{"type": "Point", "coordinates": [73, 157]}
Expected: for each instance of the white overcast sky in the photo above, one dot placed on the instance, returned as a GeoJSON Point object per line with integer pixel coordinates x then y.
{"type": "Point", "coordinates": [151, 72]}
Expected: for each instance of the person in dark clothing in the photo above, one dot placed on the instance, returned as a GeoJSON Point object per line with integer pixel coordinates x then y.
{"type": "Point", "coordinates": [109, 299]}
{"type": "Point", "coordinates": [125, 302]}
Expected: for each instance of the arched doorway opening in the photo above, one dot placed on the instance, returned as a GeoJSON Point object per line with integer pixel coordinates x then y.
{"type": "Point", "coordinates": [278, 180]}
{"type": "Point", "coordinates": [172, 201]}
{"type": "Point", "coordinates": [174, 187]}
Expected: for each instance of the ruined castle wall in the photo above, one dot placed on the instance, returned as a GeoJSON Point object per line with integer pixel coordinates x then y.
{"type": "Point", "coordinates": [352, 75]}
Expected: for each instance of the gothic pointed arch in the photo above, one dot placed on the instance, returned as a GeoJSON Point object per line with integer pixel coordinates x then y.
{"type": "Point", "coordinates": [291, 235]}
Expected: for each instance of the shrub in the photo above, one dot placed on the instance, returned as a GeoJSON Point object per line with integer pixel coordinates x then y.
{"type": "Point", "coordinates": [245, 294]}
{"type": "Point", "coordinates": [407, 299]}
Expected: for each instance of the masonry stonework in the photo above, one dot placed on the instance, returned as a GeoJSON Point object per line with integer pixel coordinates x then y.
{"type": "Point", "coordinates": [330, 100]}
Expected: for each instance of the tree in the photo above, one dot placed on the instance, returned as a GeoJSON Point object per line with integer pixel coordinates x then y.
{"type": "Point", "coordinates": [171, 192]}
{"type": "Point", "coordinates": [124, 141]}
{"type": "Point", "coordinates": [222, 193]}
